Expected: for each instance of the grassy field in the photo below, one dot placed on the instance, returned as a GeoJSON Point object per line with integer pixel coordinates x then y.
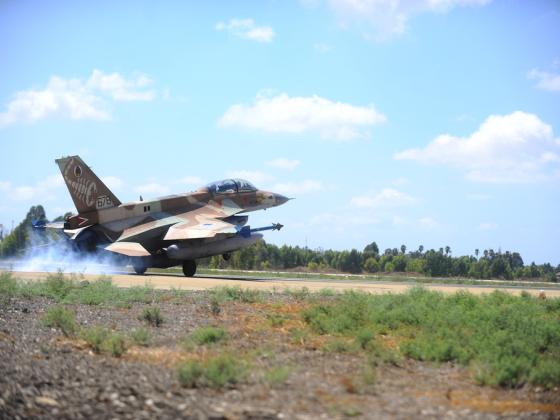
{"type": "Point", "coordinates": [503, 340]}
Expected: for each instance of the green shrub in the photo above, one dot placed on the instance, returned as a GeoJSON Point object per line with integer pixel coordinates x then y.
{"type": "Point", "coordinates": [223, 370]}
{"type": "Point", "coordinates": [60, 317]}
{"type": "Point", "coordinates": [116, 344]}
{"type": "Point", "coordinates": [513, 338]}
{"type": "Point", "coordinates": [141, 337]}
{"type": "Point", "coordinates": [208, 335]}
{"type": "Point", "coordinates": [57, 286]}
{"type": "Point", "coordinates": [338, 345]}
{"type": "Point", "coordinates": [217, 372]}
{"type": "Point", "coordinates": [276, 376]}
{"type": "Point", "coordinates": [189, 373]}
{"type": "Point", "coordinates": [152, 316]}
{"type": "Point", "coordinates": [236, 293]}
{"type": "Point", "coordinates": [8, 286]}
{"type": "Point", "coordinates": [275, 319]}
{"type": "Point", "coordinates": [95, 337]}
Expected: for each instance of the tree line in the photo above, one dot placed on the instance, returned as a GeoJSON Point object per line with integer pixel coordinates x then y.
{"type": "Point", "coordinates": [487, 264]}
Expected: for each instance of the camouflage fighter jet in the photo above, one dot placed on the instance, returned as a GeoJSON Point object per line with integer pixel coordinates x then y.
{"type": "Point", "coordinates": [165, 232]}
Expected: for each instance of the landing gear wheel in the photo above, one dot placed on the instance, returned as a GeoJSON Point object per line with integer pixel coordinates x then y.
{"type": "Point", "coordinates": [139, 269]}
{"type": "Point", "coordinates": [189, 268]}
{"type": "Point", "coordinates": [226, 256]}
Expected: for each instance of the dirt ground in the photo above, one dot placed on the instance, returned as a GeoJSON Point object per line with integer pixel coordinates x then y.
{"type": "Point", "coordinates": [173, 281]}
{"type": "Point", "coordinates": [46, 375]}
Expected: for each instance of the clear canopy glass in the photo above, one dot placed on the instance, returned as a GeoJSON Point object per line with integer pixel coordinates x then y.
{"type": "Point", "coordinates": [229, 186]}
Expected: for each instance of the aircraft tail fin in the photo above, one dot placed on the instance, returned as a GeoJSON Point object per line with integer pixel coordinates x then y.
{"type": "Point", "coordinates": [88, 192]}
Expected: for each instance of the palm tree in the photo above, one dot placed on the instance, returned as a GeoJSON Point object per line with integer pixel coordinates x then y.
{"type": "Point", "coordinates": [476, 252]}
{"type": "Point", "coordinates": [447, 250]}
{"type": "Point", "coordinates": [403, 248]}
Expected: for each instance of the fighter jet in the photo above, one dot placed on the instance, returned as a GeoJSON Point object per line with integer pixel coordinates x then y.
{"type": "Point", "coordinates": [167, 231]}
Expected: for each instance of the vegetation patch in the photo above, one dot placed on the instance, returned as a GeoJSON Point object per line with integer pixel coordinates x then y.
{"type": "Point", "coordinates": [236, 293]}
{"type": "Point", "coordinates": [101, 339]}
{"type": "Point", "coordinates": [62, 318]}
{"type": "Point", "coordinates": [506, 340]}
{"type": "Point", "coordinates": [152, 316]}
{"type": "Point", "coordinates": [208, 335]}
{"type": "Point", "coordinates": [216, 372]}
{"type": "Point", "coordinates": [277, 376]}
{"type": "Point", "coordinates": [141, 337]}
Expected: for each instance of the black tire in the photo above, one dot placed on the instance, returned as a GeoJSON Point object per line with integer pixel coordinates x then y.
{"type": "Point", "coordinates": [189, 268]}
{"type": "Point", "coordinates": [226, 256]}
{"type": "Point", "coordinates": [139, 268]}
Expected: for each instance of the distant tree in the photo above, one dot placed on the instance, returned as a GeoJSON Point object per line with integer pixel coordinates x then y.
{"type": "Point", "coordinates": [447, 250]}
{"type": "Point", "coordinates": [371, 265]}
{"type": "Point", "coordinates": [371, 250]}
{"type": "Point", "coordinates": [403, 248]}
{"type": "Point", "coordinates": [421, 249]}
{"type": "Point", "coordinates": [476, 253]}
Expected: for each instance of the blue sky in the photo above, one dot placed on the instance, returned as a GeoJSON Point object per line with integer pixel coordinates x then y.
{"type": "Point", "coordinates": [427, 122]}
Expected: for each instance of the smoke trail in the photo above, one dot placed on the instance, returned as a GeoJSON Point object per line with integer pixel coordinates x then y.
{"type": "Point", "coordinates": [49, 252]}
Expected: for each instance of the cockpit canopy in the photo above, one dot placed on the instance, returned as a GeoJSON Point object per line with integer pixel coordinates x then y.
{"type": "Point", "coordinates": [228, 186]}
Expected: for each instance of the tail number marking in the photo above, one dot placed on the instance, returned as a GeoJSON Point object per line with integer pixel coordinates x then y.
{"type": "Point", "coordinates": [103, 202]}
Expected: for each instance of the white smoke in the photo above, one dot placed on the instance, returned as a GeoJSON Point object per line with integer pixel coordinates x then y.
{"type": "Point", "coordinates": [47, 252]}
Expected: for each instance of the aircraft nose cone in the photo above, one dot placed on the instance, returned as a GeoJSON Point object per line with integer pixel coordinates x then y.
{"type": "Point", "coordinates": [280, 199]}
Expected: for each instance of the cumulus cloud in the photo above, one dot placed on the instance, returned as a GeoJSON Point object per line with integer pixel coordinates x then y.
{"type": "Point", "coordinates": [43, 190]}
{"type": "Point", "coordinates": [298, 188]}
{"type": "Point", "coordinates": [382, 19]}
{"type": "Point", "coordinates": [154, 188]}
{"type": "Point", "coordinates": [388, 197]}
{"type": "Point", "coordinates": [545, 80]}
{"type": "Point", "coordinates": [300, 114]}
{"type": "Point", "coordinates": [113, 182]}
{"type": "Point", "coordinates": [76, 99]}
{"type": "Point", "coordinates": [247, 29]}
{"type": "Point", "coordinates": [514, 148]}
{"type": "Point", "coordinates": [285, 164]}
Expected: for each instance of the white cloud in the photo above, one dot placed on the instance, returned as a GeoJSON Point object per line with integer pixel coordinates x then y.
{"type": "Point", "coordinates": [545, 80]}
{"type": "Point", "coordinates": [75, 98]}
{"type": "Point", "coordinates": [192, 180]}
{"type": "Point", "coordinates": [487, 226]}
{"type": "Point", "coordinates": [256, 177]}
{"type": "Point", "coordinates": [514, 148]}
{"type": "Point", "coordinates": [152, 188]}
{"type": "Point", "coordinates": [113, 182]}
{"type": "Point", "coordinates": [385, 18]}
{"type": "Point", "coordinates": [298, 188]}
{"type": "Point", "coordinates": [248, 29]}
{"type": "Point", "coordinates": [388, 197]}
{"type": "Point", "coordinates": [282, 163]}
{"type": "Point", "coordinates": [43, 190]}
{"type": "Point", "coordinates": [296, 115]}
{"type": "Point", "coordinates": [428, 223]}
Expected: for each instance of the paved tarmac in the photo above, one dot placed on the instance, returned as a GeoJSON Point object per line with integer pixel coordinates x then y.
{"type": "Point", "coordinates": [201, 282]}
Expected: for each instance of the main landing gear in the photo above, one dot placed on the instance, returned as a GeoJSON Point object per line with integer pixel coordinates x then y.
{"type": "Point", "coordinates": [139, 268]}
{"type": "Point", "coordinates": [189, 268]}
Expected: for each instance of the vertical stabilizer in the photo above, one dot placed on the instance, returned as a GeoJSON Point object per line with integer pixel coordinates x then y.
{"type": "Point", "coordinates": [88, 192]}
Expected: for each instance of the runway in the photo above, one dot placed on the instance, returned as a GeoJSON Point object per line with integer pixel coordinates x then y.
{"type": "Point", "coordinates": [168, 281]}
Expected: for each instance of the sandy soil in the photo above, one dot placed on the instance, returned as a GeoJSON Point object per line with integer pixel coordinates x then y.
{"type": "Point", "coordinates": [173, 281]}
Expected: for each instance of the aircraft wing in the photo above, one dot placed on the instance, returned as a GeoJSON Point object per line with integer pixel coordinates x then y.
{"type": "Point", "coordinates": [202, 223]}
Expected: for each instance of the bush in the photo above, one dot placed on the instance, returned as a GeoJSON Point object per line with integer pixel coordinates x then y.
{"type": "Point", "coordinates": [60, 317]}
{"type": "Point", "coordinates": [208, 335]}
{"type": "Point", "coordinates": [277, 375]}
{"type": "Point", "coordinates": [141, 337]}
{"type": "Point", "coordinates": [95, 337]}
{"type": "Point", "coordinates": [223, 370]}
{"type": "Point", "coordinates": [152, 316]}
{"type": "Point", "coordinates": [510, 340]}
{"type": "Point", "coordinates": [56, 286]}
{"type": "Point", "coordinates": [217, 372]}
{"type": "Point", "coordinates": [8, 286]}
{"type": "Point", "coordinates": [236, 293]}
{"type": "Point", "coordinates": [116, 344]}
{"type": "Point", "coordinates": [189, 373]}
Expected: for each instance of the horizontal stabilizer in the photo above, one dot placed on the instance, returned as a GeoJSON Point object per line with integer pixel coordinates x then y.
{"type": "Point", "coordinates": [131, 249]}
